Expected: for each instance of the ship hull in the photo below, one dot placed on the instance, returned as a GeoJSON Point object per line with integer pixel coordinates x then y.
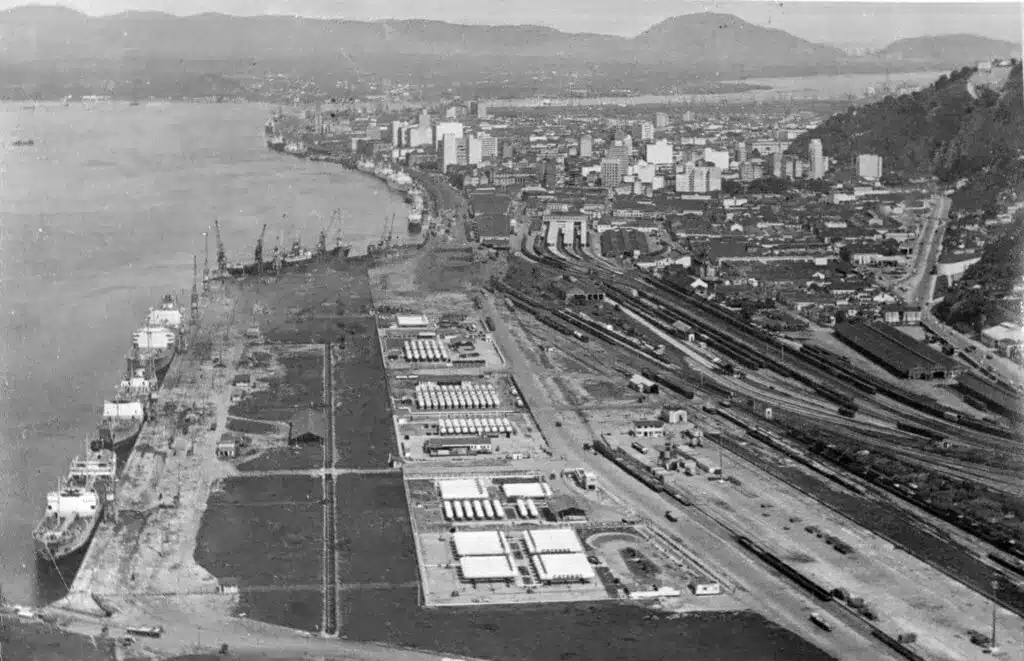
{"type": "Point", "coordinates": [161, 362]}
{"type": "Point", "coordinates": [74, 544]}
{"type": "Point", "coordinates": [415, 226]}
{"type": "Point", "coordinates": [118, 438]}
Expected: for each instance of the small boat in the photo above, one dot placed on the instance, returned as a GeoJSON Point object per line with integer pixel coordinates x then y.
{"type": "Point", "coordinates": [23, 142]}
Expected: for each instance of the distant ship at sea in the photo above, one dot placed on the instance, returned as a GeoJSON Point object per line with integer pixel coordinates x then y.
{"type": "Point", "coordinates": [23, 142]}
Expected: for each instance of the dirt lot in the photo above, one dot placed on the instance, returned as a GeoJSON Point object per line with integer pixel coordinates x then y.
{"type": "Point", "coordinates": [558, 632]}
{"type": "Point", "coordinates": [267, 533]}
{"type": "Point", "coordinates": [374, 537]}
{"type": "Point", "coordinates": [284, 396]}
{"type": "Point", "coordinates": [305, 308]}
{"type": "Point", "coordinates": [364, 430]}
{"type": "Point", "coordinates": [286, 458]}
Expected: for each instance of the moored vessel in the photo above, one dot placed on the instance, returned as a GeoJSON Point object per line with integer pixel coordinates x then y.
{"type": "Point", "coordinates": [74, 510]}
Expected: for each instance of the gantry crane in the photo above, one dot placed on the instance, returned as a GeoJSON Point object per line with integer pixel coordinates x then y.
{"type": "Point", "coordinates": [195, 286]}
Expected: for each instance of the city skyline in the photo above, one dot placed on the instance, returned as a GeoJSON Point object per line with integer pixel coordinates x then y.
{"type": "Point", "coordinates": [867, 25]}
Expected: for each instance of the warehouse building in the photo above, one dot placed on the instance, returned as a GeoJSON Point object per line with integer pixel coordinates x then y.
{"type": "Point", "coordinates": [996, 397]}
{"type": "Point", "coordinates": [446, 446]}
{"type": "Point", "coordinates": [557, 556]}
{"type": "Point", "coordinates": [898, 352]}
{"type": "Point", "coordinates": [484, 556]}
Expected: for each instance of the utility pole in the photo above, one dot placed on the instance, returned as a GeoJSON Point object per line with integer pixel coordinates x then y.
{"type": "Point", "coordinates": [995, 607]}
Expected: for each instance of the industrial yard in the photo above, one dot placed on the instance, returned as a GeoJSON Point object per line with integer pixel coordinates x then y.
{"type": "Point", "coordinates": [372, 461]}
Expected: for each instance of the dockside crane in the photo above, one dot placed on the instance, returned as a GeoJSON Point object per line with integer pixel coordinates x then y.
{"type": "Point", "coordinates": [206, 262]}
{"type": "Point", "coordinates": [277, 254]}
{"type": "Point", "coordinates": [259, 249]}
{"type": "Point", "coordinates": [195, 287]}
{"type": "Point", "coordinates": [222, 258]}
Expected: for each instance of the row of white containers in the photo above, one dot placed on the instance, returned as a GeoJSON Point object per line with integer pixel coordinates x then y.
{"type": "Point", "coordinates": [455, 426]}
{"type": "Point", "coordinates": [459, 510]}
{"type": "Point", "coordinates": [431, 400]}
{"type": "Point", "coordinates": [455, 510]}
{"type": "Point", "coordinates": [424, 350]}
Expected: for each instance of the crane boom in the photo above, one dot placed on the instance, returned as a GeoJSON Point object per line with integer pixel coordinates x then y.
{"type": "Point", "coordinates": [259, 246]}
{"type": "Point", "coordinates": [222, 259]}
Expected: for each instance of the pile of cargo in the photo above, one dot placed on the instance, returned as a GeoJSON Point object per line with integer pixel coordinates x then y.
{"type": "Point", "coordinates": [434, 396]}
{"type": "Point", "coordinates": [424, 351]}
{"type": "Point", "coordinates": [474, 426]}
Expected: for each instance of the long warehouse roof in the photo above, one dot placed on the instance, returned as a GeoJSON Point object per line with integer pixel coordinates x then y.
{"type": "Point", "coordinates": [895, 348]}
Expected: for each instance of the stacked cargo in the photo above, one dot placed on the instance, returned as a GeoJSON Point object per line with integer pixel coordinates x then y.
{"type": "Point", "coordinates": [425, 351]}
{"type": "Point", "coordinates": [474, 426]}
{"type": "Point", "coordinates": [432, 396]}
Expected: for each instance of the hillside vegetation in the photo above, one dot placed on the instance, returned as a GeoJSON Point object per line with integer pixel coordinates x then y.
{"type": "Point", "coordinates": [942, 130]}
{"type": "Point", "coordinates": [985, 297]}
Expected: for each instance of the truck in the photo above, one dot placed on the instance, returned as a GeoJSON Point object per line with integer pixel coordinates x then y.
{"type": "Point", "coordinates": [639, 447]}
{"type": "Point", "coordinates": [820, 622]}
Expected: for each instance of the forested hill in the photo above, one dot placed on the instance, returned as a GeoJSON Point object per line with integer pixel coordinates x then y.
{"type": "Point", "coordinates": [985, 296]}
{"type": "Point", "coordinates": [955, 128]}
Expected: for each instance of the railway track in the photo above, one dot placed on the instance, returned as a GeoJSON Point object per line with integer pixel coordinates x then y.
{"type": "Point", "coordinates": [330, 582]}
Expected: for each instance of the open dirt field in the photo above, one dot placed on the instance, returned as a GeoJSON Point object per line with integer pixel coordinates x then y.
{"type": "Point", "coordinates": [363, 425]}
{"type": "Point", "coordinates": [556, 632]}
{"type": "Point", "coordinates": [374, 538]}
{"type": "Point", "coordinates": [266, 533]}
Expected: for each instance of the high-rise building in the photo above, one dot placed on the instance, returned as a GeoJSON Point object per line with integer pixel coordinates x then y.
{"type": "Point", "coordinates": [816, 156]}
{"type": "Point", "coordinates": [424, 118]}
{"type": "Point", "coordinates": [869, 166]}
{"type": "Point", "coordinates": [586, 146]}
{"type": "Point", "coordinates": [698, 179]}
{"type": "Point", "coordinates": [620, 151]}
{"type": "Point", "coordinates": [488, 146]}
{"type": "Point", "coordinates": [421, 134]}
{"type": "Point", "coordinates": [751, 170]}
{"type": "Point", "coordinates": [660, 120]}
{"type": "Point", "coordinates": [478, 109]}
{"type": "Point", "coordinates": [397, 129]}
{"type": "Point", "coordinates": [446, 128]}
{"type": "Point", "coordinates": [450, 144]}
{"type": "Point", "coordinates": [659, 153]}
{"type": "Point", "coordinates": [474, 150]}
{"type": "Point", "coordinates": [688, 116]}
{"type": "Point", "coordinates": [627, 140]}
{"type": "Point", "coordinates": [611, 172]}
{"type": "Point", "coordinates": [777, 165]}
{"type": "Point", "coordinates": [646, 131]}
{"type": "Point", "coordinates": [741, 152]}
{"type": "Point", "coordinates": [719, 158]}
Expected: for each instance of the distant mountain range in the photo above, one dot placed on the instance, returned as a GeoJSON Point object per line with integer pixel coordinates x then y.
{"type": "Point", "coordinates": [707, 45]}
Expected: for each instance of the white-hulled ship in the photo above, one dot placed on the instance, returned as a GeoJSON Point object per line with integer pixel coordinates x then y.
{"type": "Point", "coordinates": [156, 342]}
{"type": "Point", "coordinates": [74, 510]}
{"type": "Point", "coordinates": [125, 413]}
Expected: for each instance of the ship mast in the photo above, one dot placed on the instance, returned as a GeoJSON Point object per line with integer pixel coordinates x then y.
{"type": "Point", "coordinates": [222, 259]}
{"type": "Point", "coordinates": [206, 262]}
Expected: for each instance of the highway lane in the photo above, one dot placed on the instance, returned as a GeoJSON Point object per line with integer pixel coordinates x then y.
{"type": "Point", "coordinates": [764, 591]}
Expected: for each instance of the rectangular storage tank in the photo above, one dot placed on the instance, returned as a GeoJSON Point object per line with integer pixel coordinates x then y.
{"type": "Point", "coordinates": [457, 510]}
{"type": "Point", "coordinates": [488, 510]}
{"type": "Point", "coordinates": [499, 511]}
{"type": "Point", "coordinates": [467, 507]}
{"type": "Point", "coordinates": [478, 510]}
{"type": "Point", "coordinates": [448, 513]}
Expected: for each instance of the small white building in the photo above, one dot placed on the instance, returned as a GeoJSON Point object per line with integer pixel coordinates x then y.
{"type": "Point", "coordinates": [649, 428]}
{"type": "Point", "coordinates": [673, 416]}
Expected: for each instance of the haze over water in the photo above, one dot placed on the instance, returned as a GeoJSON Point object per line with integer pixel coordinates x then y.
{"type": "Point", "coordinates": [98, 220]}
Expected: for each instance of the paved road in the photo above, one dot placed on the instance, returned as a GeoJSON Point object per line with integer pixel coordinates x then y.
{"type": "Point", "coordinates": [761, 590]}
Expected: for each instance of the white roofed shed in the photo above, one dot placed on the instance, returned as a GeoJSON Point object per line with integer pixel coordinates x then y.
{"type": "Point", "coordinates": [555, 540]}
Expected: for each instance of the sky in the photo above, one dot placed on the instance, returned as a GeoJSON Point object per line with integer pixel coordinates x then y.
{"type": "Point", "coordinates": [848, 23]}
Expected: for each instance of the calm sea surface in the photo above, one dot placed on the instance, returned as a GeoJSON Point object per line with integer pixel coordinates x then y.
{"type": "Point", "coordinates": [98, 220]}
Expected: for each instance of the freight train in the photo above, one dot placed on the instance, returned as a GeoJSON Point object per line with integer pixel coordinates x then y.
{"type": "Point", "coordinates": [668, 381]}
{"type": "Point", "coordinates": [785, 569]}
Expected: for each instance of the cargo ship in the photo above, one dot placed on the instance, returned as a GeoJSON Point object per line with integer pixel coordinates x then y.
{"type": "Point", "coordinates": [399, 181]}
{"type": "Point", "coordinates": [156, 342]}
{"type": "Point", "coordinates": [125, 414]}
{"type": "Point", "coordinates": [297, 254]}
{"type": "Point", "coordinates": [74, 510]}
